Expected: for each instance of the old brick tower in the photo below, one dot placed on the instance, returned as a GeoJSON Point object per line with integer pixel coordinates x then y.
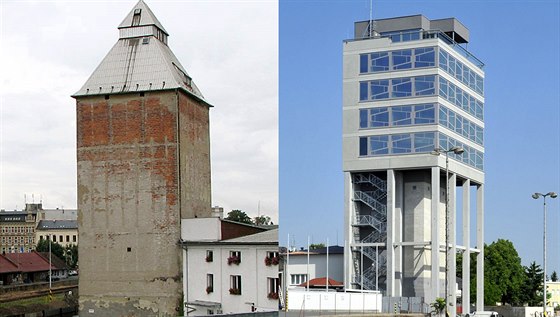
{"type": "Point", "coordinates": [143, 157]}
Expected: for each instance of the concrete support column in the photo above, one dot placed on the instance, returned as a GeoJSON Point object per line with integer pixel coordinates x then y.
{"type": "Point", "coordinates": [348, 239]}
{"type": "Point", "coordinates": [391, 233]}
{"type": "Point", "coordinates": [398, 233]}
{"type": "Point", "coordinates": [452, 256]}
{"type": "Point", "coordinates": [185, 279]}
{"type": "Point", "coordinates": [466, 294]}
{"type": "Point", "coordinates": [480, 247]}
{"type": "Point", "coordinates": [435, 243]}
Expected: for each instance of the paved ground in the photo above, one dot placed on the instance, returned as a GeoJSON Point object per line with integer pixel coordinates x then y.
{"type": "Point", "coordinates": [309, 313]}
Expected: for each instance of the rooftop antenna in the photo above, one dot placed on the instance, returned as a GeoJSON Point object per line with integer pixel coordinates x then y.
{"type": "Point", "coordinates": [370, 17]}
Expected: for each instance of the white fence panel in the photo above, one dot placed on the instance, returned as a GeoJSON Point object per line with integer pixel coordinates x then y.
{"type": "Point", "coordinates": [334, 301]}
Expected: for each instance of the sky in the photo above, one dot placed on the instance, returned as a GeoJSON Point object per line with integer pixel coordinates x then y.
{"type": "Point", "coordinates": [520, 44]}
{"type": "Point", "coordinates": [48, 49]}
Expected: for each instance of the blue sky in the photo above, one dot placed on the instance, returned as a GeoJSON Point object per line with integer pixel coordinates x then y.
{"type": "Point", "coordinates": [520, 44]}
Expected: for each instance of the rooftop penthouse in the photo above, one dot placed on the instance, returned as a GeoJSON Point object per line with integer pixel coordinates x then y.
{"type": "Point", "coordinates": [417, 28]}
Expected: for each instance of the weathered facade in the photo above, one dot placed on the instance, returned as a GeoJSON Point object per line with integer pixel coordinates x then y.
{"type": "Point", "coordinates": [143, 154]}
{"type": "Point", "coordinates": [17, 229]}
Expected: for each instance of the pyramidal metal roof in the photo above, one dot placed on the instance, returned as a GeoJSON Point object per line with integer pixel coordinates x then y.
{"type": "Point", "coordinates": [140, 60]}
{"type": "Point", "coordinates": [147, 17]}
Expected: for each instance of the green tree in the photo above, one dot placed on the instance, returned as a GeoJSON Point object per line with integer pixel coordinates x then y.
{"type": "Point", "coordinates": [262, 220]}
{"type": "Point", "coordinates": [533, 288]}
{"type": "Point", "coordinates": [438, 305]}
{"type": "Point", "coordinates": [316, 246]}
{"type": "Point", "coordinates": [472, 275]}
{"type": "Point", "coordinates": [56, 249]}
{"type": "Point", "coordinates": [554, 276]}
{"type": "Point", "coordinates": [239, 216]}
{"type": "Point", "coordinates": [71, 255]}
{"type": "Point", "coordinates": [504, 276]}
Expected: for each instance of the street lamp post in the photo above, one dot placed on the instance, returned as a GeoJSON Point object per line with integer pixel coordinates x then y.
{"type": "Point", "coordinates": [456, 150]}
{"type": "Point", "coordinates": [536, 196]}
{"type": "Point", "coordinates": [50, 265]}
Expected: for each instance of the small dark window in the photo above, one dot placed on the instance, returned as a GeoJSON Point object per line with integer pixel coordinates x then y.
{"type": "Point", "coordinates": [142, 94]}
{"type": "Point", "coordinates": [128, 249]}
{"type": "Point", "coordinates": [234, 257]}
{"type": "Point", "coordinates": [136, 17]}
{"type": "Point", "coordinates": [106, 97]}
{"type": "Point", "coordinates": [146, 40]}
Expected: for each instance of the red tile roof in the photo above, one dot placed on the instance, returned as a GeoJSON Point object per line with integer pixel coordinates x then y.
{"type": "Point", "coordinates": [30, 262]}
{"type": "Point", "coordinates": [321, 282]}
{"type": "Point", "coordinates": [7, 266]}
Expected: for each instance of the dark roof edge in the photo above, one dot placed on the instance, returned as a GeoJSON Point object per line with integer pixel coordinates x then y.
{"type": "Point", "coordinates": [223, 242]}
{"type": "Point", "coordinates": [76, 96]}
{"type": "Point", "coordinates": [247, 225]}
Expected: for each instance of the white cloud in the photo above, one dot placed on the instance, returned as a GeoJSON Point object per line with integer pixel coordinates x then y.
{"type": "Point", "coordinates": [49, 49]}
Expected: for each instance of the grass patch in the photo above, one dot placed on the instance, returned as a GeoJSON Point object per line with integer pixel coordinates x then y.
{"type": "Point", "coordinates": [32, 301]}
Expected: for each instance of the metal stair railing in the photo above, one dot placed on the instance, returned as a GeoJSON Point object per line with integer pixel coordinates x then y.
{"type": "Point", "coordinates": [281, 297]}
{"type": "Point", "coordinates": [369, 252]}
{"type": "Point", "coordinates": [371, 179]}
{"type": "Point", "coordinates": [356, 265]}
{"type": "Point", "coordinates": [371, 202]}
{"type": "Point", "coordinates": [371, 221]}
{"type": "Point", "coordinates": [368, 283]}
{"type": "Point", "coordinates": [377, 236]}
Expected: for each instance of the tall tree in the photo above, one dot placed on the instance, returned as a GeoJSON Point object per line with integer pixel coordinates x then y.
{"type": "Point", "coordinates": [472, 275]}
{"type": "Point", "coordinates": [316, 246]}
{"type": "Point", "coordinates": [533, 285]}
{"type": "Point", "coordinates": [71, 255]}
{"type": "Point", "coordinates": [504, 276]}
{"type": "Point", "coordinates": [56, 249]}
{"type": "Point", "coordinates": [262, 220]}
{"type": "Point", "coordinates": [554, 276]}
{"type": "Point", "coordinates": [239, 216]}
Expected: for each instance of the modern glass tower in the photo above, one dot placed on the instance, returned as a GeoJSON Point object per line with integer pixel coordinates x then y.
{"type": "Point", "coordinates": [411, 87]}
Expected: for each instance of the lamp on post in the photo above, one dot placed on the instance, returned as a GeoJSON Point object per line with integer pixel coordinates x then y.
{"type": "Point", "coordinates": [536, 196]}
{"type": "Point", "coordinates": [456, 150]}
{"type": "Point", "coordinates": [50, 261]}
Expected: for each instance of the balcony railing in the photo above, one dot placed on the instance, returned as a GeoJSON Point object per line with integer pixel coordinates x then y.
{"type": "Point", "coordinates": [418, 35]}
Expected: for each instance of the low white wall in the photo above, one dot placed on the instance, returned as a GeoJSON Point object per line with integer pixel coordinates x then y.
{"type": "Point", "coordinates": [335, 301]}
{"type": "Point", "coordinates": [201, 229]}
{"type": "Point", "coordinates": [508, 311]}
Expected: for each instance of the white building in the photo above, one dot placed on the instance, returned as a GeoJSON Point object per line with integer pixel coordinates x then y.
{"type": "Point", "coordinates": [411, 91]}
{"type": "Point", "coordinates": [298, 269]}
{"type": "Point", "coordinates": [235, 275]}
{"type": "Point", "coordinates": [63, 232]}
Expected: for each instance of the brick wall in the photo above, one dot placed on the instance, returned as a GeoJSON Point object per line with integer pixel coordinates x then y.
{"type": "Point", "coordinates": [129, 188]}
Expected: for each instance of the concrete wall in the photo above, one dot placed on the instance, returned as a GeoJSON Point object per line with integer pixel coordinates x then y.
{"type": "Point", "coordinates": [194, 158]}
{"type": "Point", "coordinates": [201, 229]}
{"type": "Point", "coordinates": [130, 201]}
{"type": "Point", "coordinates": [417, 228]}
